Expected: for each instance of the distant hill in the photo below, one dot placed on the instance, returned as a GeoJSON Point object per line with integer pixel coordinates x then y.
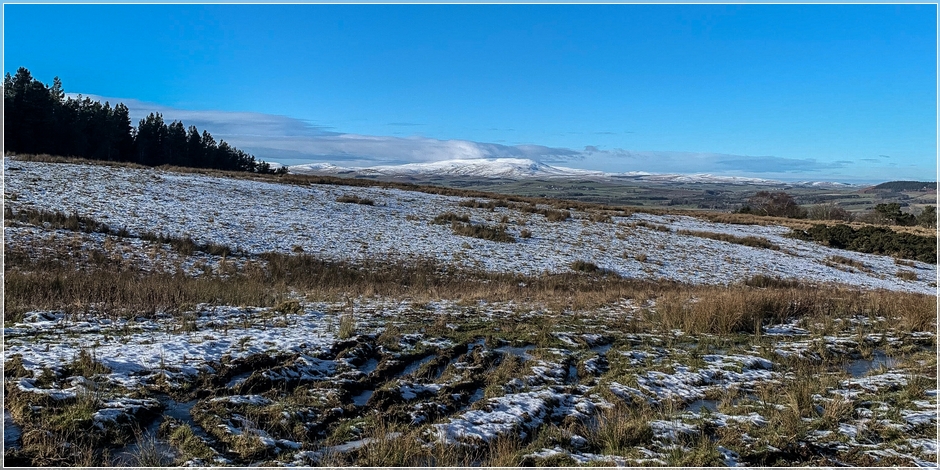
{"type": "Point", "coordinates": [908, 185]}
{"type": "Point", "coordinates": [526, 169]}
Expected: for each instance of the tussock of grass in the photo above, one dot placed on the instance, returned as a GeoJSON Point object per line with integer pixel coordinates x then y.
{"type": "Point", "coordinates": [756, 242]}
{"type": "Point", "coordinates": [618, 430]}
{"type": "Point", "coordinates": [651, 226]}
{"type": "Point", "coordinates": [347, 326]}
{"type": "Point", "coordinates": [491, 205]}
{"type": "Point", "coordinates": [56, 220]}
{"type": "Point", "coordinates": [353, 199]}
{"type": "Point", "coordinates": [585, 267]}
{"type": "Point", "coordinates": [848, 262]}
{"type": "Point", "coordinates": [485, 232]}
{"type": "Point", "coordinates": [448, 217]}
{"type": "Point", "coordinates": [764, 281]}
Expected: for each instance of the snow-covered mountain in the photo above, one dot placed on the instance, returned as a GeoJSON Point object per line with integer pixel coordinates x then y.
{"type": "Point", "coordinates": [521, 168]}
{"type": "Point", "coordinates": [513, 168]}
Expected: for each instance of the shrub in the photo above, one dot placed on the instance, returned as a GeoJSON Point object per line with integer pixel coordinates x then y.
{"type": "Point", "coordinates": [892, 213]}
{"type": "Point", "coordinates": [525, 233]}
{"type": "Point", "coordinates": [928, 217]}
{"type": "Point", "coordinates": [907, 275]}
{"type": "Point", "coordinates": [829, 212]}
{"type": "Point", "coordinates": [876, 240]}
{"type": "Point", "coordinates": [777, 204]}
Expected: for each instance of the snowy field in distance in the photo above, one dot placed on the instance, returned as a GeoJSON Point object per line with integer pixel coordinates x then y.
{"type": "Point", "coordinates": [259, 217]}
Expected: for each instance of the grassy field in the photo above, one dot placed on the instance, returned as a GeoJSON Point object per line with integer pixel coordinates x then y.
{"type": "Point", "coordinates": [132, 345]}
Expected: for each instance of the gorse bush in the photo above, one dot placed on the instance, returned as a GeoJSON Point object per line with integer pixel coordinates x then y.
{"type": "Point", "coordinates": [876, 240]}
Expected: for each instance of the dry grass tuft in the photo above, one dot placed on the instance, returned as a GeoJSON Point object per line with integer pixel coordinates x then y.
{"type": "Point", "coordinates": [353, 199]}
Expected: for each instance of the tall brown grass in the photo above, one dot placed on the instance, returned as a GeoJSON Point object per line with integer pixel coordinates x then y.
{"type": "Point", "coordinates": [101, 286]}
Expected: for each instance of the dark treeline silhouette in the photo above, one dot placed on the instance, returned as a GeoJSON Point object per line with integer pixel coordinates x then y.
{"type": "Point", "coordinates": [39, 119]}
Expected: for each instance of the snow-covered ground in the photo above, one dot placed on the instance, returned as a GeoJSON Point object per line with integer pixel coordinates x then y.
{"type": "Point", "coordinates": [258, 217]}
{"type": "Point", "coordinates": [295, 389]}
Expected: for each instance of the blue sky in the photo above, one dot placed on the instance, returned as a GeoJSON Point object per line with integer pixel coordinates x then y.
{"type": "Point", "coordinates": [796, 92]}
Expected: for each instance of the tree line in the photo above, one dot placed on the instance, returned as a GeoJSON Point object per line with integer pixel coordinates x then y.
{"type": "Point", "coordinates": [39, 119]}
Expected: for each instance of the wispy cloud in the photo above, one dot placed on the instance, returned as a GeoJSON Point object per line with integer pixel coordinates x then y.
{"type": "Point", "coordinates": [705, 162]}
{"type": "Point", "coordinates": [292, 141]}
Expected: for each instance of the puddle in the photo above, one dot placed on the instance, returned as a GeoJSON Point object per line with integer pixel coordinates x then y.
{"type": "Point", "coordinates": [362, 398]}
{"type": "Point", "coordinates": [353, 445]}
{"type": "Point", "coordinates": [11, 432]}
{"type": "Point", "coordinates": [238, 379]}
{"type": "Point", "coordinates": [698, 405]}
{"type": "Point", "coordinates": [369, 366]}
{"type": "Point", "coordinates": [147, 450]}
{"type": "Point", "coordinates": [181, 411]}
{"type": "Point", "coordinates": [572, 374]}
{"type": "Point", "coordinates": [861, 367]}
{"type": "Point", "coordinates": [517, 351]}
{"type": "Point", "coordinates": [415, 365]}
{"type": "Point", "coordinates": [476, 344]}
{"type": "Point", "coordinates": [477, 396]}
{"type": "Point", "coordinates": [602, 349]}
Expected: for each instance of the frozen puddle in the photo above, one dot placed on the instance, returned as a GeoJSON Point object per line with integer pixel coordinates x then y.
{"type": "Point", "coordinates": [861, 367]}
{"type": "Point", "coordinates": [146, 444]}
{"type": "Point", "coordinates": [411, 368]}
{"type": "Point", "coordinates": [522, 352]}
{"type": "Point", "coordinates": [353, 445]}
{"type": "Point", "coordinates": [149, 443]}
{"type": "Point", "coordinates": [698, 405]}
{"type": "Point", "coordinates": [362, 398]}
{"type": "Point", "coordinates": [238, 379]}
{"type": "Point", "coordinates": [369, 366]}
{"type": "Point", "coordinates": [11, 432]}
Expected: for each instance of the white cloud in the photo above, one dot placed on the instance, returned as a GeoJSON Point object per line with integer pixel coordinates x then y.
{"type": "Point", "coordinates": [293, 141]}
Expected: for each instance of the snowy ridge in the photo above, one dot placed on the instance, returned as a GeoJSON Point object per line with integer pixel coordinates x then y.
{"type": "Point", "coordinates": [522, 168]}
